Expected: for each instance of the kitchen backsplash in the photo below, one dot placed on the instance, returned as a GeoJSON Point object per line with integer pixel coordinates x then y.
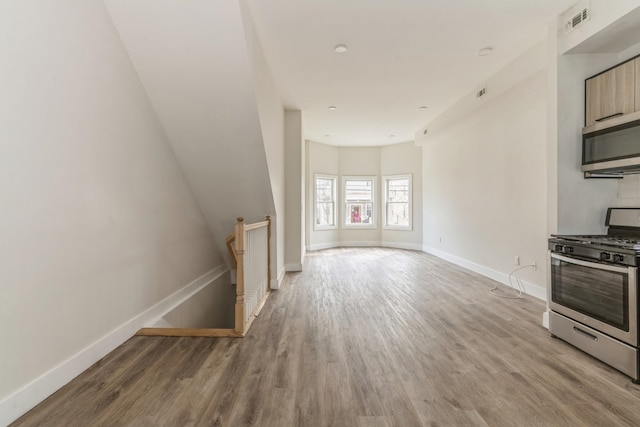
{"type": "Point", "coordinates": [629, 191]}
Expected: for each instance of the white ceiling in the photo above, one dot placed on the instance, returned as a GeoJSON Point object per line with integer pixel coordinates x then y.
{"type": "Point", "coordinates": [402, 54]}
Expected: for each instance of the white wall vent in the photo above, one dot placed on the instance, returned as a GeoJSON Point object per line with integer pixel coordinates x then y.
{"type": "Point", "coordinates": [577, 19]}
{"type": "Point", "coordinates": [482, 92]}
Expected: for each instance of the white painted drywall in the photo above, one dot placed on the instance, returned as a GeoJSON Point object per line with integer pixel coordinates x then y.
{"type": "Point", "coordinates": [552, 129]}
{"type": "Point", "coordinates": [203, 309]}
{"type": "Point", "coordinates": [98, 223]}
{"type": "Point", "coordinates": [271, 114]}
{"type": "Point", "coordinates": [195, 63]}
{"type": "Point", "coordinates": [484, 175]}
{"type": "Point", "coordinates": [294, 184]}
{"type": "Point", "coordinates": [320, 159]}
{"type": "Point", "coordinates": [401, 159]}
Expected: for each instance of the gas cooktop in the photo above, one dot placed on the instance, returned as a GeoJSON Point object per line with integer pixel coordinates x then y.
{"type": "Point", "coordinates": [623, 242]}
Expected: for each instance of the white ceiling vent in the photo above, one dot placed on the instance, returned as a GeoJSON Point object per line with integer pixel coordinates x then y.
{"type": "Point", "coordinates": [576, 19]}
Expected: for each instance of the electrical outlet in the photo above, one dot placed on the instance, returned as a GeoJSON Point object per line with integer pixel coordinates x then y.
{"type": "Point", "coordinates": [534, 265]}
{"type": "Point", "coordinates": [516, 260]}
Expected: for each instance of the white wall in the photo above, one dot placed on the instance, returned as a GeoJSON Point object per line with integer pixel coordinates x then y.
{"type": "Point", "coordinates": [398, 159]}
{"type": "Point", "coordinates": [195, 61]}
{"type": "Point", "coordinates": [404, 158]}
{"type": "Point", "coordinates": [294, 184]}
{"type": "Point", "coordinates": [97, 221]}
{"type": "Point", "coordinates": [203, 309]}
{"type": "Point", "coordinates": [484, 175]}
{"type": "Point", "coordinates": [320, 159]}
{"type": "Point", "coordinates": [271, 113]}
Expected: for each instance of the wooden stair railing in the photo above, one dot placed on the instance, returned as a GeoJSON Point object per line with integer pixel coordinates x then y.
{"type": "Point", "coordinates": [231, 238]}
{"type": "Point", "coordinates": [246, 278]}
{"type": "Point", "coordinates": [241, 255]}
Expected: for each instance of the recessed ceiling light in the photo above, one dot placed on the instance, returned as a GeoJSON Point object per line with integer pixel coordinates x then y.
{"type": "Point", "coordinates": [333, 107]}
{"type": "Point", "coordinates": [485, 51]}
{"type": "Point", "coordinates": [422, 108]}
{"type": "Point", "coordinates": [340, 48]}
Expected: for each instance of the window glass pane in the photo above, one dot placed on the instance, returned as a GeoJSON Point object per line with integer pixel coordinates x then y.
{"type": "Point", "coordinates": [324, 190]}
{"type": "Point", "coordinates": [398, 214]}
{"type": "Point", "coordinates": [359, 213]}
{"type": "Point", "coordinates": [358, 201]}
{"type": "Point", "coordinates": [398, 202]}
{"type": "Point", "coordinates": [324, 214]}
{"type": "Point", "coordinates": [398, 190]}
{"type": "Point", "coordinates": [360, 190]}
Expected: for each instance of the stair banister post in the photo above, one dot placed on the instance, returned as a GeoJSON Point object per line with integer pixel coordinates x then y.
{"type": "Point", "coordinates": [268, 218]}
{"type": "Point", "coordinates": [240, 318]}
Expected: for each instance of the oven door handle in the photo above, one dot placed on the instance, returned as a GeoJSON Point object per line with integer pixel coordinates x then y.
{"type": "Point", "coordinates": [597, 265]}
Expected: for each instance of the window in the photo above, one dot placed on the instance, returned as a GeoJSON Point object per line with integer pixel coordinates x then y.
{"type": "Point", "coordinates": [359, 202]}
{"type": "Point", "coordinates": [325, 196]}
{"type": "Point", "coordinates": [397, 197]}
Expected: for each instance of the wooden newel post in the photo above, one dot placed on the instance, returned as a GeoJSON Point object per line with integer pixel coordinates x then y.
{"type": "Point", "coordinates": [240, 318]}
{"type": "Point", "coordinates": [268, 218]}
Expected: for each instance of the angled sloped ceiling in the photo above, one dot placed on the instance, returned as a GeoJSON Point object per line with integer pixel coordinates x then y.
{"type": "Point", "coordinates": [192, 59]}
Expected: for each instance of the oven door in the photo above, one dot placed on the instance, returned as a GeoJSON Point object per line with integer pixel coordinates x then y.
{"type": "Point", "coordinates": [601, 296]}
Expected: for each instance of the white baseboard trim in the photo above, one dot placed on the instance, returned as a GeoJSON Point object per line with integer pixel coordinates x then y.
{"type": "Point", "coordinates": [275, 283]}
{"type": "Point", "coordinates": [321, 246]}
{"type": "Point", "coordinates": [359, 244]}
{"type": "Point", "coordinates": [377, 244]}
{"type": "Point", "coordinates": [21, 401]}
{"type": "Point", "coordinates": [293, 267]}
{"type": "Point", "coordinates": [401, 245]}
{"type": "Point", "coordinates": [530, 288]}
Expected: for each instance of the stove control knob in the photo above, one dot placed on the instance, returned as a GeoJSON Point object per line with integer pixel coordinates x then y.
{"type": "Point", "coordinates": [567, 249]}
{"type": "Point", "coordinates": [558, 248]}
{"type": "Point", "coordinates": [618, 258]}
{"type": "Point", "coordinates": [605, 256]}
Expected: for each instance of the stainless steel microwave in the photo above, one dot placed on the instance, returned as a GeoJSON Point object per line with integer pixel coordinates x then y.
{"type": "Point", "coordinates": [612, 147]}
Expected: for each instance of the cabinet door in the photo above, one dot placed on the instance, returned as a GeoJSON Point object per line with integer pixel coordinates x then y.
{"type": "Point", "coordinates": [611, 94]}
{"type": "Point", "coordinates": [637, 88]}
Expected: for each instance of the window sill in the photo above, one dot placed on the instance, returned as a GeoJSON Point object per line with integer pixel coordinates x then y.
{"type": "Point", "coordinates": [324, 228]}
{"type": "Point", "coordinates": [397, 228]}
{"type": "Point", "coordinates": [359, 227]}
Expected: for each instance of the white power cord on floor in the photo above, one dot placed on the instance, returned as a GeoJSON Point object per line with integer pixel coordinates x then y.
{"type": "Point", "coordinates": [517, 292]}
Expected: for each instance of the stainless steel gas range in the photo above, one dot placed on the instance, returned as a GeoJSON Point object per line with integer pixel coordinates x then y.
{"type": "Point", "coordinates": [593, 295]}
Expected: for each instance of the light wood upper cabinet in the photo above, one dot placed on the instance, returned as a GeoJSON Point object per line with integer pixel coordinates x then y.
{"type": "Point", "coordinates": [637, 88]}
{"type": "Point", "coordinates": [612, 93]}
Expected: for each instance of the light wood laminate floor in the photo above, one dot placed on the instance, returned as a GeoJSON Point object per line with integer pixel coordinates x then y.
{"type": "Point", "coordinates": [362, 337]}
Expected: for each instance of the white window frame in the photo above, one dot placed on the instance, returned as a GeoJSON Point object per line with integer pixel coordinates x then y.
{"type": "Point", "coordinates": [334, 180]}
{"type": "Point", "coordinates": [385, 209]}
{"type": "Point", "coordinates": [374, 205]}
